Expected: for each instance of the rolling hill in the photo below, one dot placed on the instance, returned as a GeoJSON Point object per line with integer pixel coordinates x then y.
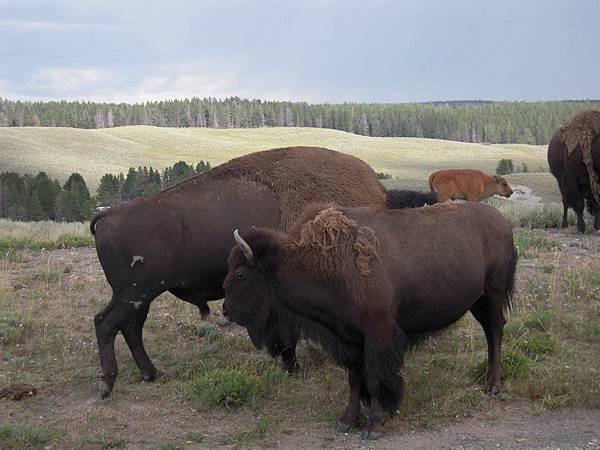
{"type": "Point", "coordinates": [92, 153]}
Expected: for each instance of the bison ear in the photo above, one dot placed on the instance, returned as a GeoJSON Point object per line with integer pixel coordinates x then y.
{"type": "Point", "coordinates": [498, 178]}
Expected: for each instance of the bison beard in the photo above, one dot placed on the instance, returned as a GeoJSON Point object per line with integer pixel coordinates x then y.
{"type": "Point", "coordinates": [337, 278]}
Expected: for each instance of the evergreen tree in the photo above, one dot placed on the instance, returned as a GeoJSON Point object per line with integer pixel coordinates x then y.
{"type": "Point", "coordinates": [74, 203]}
{"type": "Point", "coordinates": [202, 167]}
{"type": "Point", "coordinates": [109, 191]}
{"type": "Point", "coordinates": [179, 172]}
{"type": "Point", "coordinates": [505, 166]}
{"type": "Point", "coordinates": [46, 192]}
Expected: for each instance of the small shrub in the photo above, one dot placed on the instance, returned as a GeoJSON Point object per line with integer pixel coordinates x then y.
{"type": "Point", "coordinates": [529, 241]}
{"type": "Point", "coordinates": [12, 328]}
{"type": "Point", "coordinates": [113, 443]}
{"type": "Point", "coordinates": [22, 436]}
{"type": "Point", "coordinates": [504, 167]}
{"type": "Point", "coordinates": [383, 176]}
{"type": "Point", "coordinates": [537, 344]}
{"type": "Point", "coordinates": [207, 330]}
{"type": "Point", "coordinates": [225, 387]}
{"type": "Point", "coordinates": [540, 320]}
{"type": "Point", "coordinates": [514, 366]}
{"type": "Point", "coordinates": [11, 255]}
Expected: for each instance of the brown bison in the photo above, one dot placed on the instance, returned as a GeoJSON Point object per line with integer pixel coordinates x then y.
{"type": "Point", "coordinates": [400, 199]}
{"type": "Point", "coordinates": [467, 184]}
{"type": "Point", "coordinates": [178, 240]}
{"type": "Point", "coordinates": [361, 281]}
{"type": "Point", "coordinates": [574, 160]}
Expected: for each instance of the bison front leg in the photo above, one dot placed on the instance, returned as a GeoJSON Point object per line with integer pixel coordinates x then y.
{"type": "Point", "coordinates": [350, 416]}
{"type": "Point", "coordinates": [383, 360]}
{"type": "Point", "coordinates": [288, 357]}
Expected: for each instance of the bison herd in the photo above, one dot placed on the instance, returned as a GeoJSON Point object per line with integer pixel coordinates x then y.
{"type": "Point", "coordinates": [305, 243]}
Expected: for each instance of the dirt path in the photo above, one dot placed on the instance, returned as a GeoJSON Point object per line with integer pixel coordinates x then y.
{"type": "Point", "coordinates": [510, 428]}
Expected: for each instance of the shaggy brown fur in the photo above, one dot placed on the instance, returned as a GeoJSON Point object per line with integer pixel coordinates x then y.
{"type": "Point", "coordinates": [286, 175]}
{"type": "Point", "coordinates": [581, 130]}
{"type": "Point", "coordinates": [359, 281]}
{"type": "Point", "coordinates": [330, 229]}
{"type": "Point", "coordinates": [467, 184]}
{"type": "Point", "coordinates": [178, 240]}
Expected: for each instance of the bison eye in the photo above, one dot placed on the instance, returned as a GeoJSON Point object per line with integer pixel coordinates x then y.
{"type": "Point", "coordinates": [240, 274]}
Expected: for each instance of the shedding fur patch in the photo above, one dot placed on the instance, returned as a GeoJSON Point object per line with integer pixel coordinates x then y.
{"type": "Point", "coordinates": [366, 246]}
{"type": "Point", "coordinates": [331, 229]}
{"type": "Point", "coordinates": [581, 130]}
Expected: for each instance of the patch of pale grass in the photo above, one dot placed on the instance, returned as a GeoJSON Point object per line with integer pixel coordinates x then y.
{"type": "Point", "coordinates": [93, 153]}
{"type": "Point", "coordinates": [49, 235]}
{"type": "Point", "coordinates": [41, 231]}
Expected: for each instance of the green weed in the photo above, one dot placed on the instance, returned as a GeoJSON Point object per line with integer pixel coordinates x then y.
{"type": "Point", "coordinates": [230, 388]}
{"type": "Point", "coordinates": [12, 328]}
{"type": "Point", "coordinates": [22, 436]}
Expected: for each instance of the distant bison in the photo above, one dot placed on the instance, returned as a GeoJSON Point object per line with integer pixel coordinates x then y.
{"type": "Point", "coordinates": [178, 240]}
{"type": "Point", "coordinates": [574, 159]}
{"type": "Point", "coordinates": [467, 184]}
{"type": "Point", "coordinates": [361, 281]}
{"type": "Point", "coordinates": [399, 199]}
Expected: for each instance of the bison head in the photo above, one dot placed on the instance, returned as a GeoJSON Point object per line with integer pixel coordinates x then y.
{"type": "Point", "coordinates": [502, 187]}
{"type": "Point", "coordinates": [251, 280]}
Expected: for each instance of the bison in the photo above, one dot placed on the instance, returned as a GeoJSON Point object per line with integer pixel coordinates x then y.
{"type": "Point", "coordinates": [467, 184]}
{"type": "Point", "coordinates": [574, 160]}
{"type": "Point", "coordinates": [178, 240]}
{"type": "Point", "coordinates": [362, 281]}
{"type": "Point", "coordinates": [399, 199]}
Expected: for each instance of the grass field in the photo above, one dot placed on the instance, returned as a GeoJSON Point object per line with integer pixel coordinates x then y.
{"type": "Point", "coordinates": [221, 392]}
{"type": "Point", "coordinates": [61, 151]}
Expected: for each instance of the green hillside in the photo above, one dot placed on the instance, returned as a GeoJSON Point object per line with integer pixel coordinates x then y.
{"type": "Point", "coordinates": [61, 151]}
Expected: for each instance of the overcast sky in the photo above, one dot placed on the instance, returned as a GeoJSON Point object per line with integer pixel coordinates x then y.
{"type": "Point", "coordinates": [318, 51]}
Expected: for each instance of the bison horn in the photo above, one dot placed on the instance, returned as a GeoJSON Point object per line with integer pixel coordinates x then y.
{"type": "Point", "coordinates": [244, 246]}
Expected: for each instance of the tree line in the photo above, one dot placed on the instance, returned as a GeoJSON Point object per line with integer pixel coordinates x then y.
{"type": "Point", "coordinates": [471, 121]}
{"type": "Point", "coordinates": [34, 198]}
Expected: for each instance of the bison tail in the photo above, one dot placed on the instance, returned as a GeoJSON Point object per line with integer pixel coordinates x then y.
{"type": "Point", "coordinates": [95, 219]}
{"type": "Point", "coordinates": [510, 280]}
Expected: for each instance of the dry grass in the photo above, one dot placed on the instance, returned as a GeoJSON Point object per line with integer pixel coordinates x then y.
{"type": "Point", "coordinates": [96, 152]}
{"type": "Point", "coordinates": [551, 347]}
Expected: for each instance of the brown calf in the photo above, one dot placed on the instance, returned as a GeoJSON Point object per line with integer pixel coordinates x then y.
{"type": "Point", "coordinates": [467, 184]}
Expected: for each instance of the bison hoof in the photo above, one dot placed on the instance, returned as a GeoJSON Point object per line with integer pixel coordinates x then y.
{"type": "Point", "coordinates": [153, 376]}
{"type": "Point", "coordinates": [492, 391]}
{"type": "Point", "coordinates": [343, 427]}
{"type": "Point", "coordinates": [104, 390]}
{"type": "Point", "coordinates": [370, 435]}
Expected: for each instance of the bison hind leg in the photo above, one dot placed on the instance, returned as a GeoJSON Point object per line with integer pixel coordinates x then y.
{"type": "Point", "coordinates": [126, 312]}
{"type": "Point", "coordinates": [488, 311]}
